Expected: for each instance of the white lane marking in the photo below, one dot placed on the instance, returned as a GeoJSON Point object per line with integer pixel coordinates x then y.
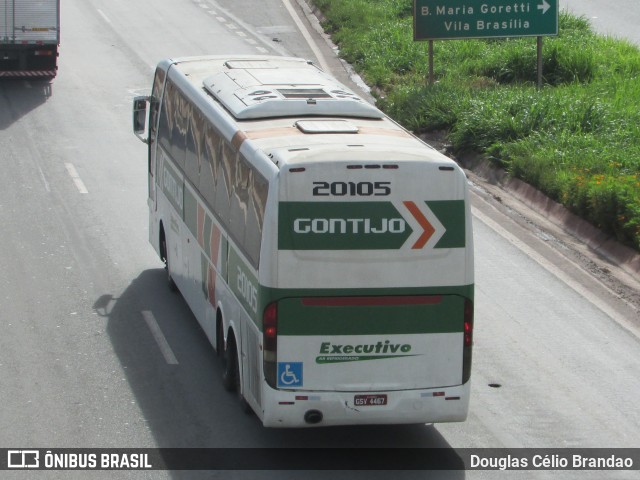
{"type": "Point", "coordinates": [159, 337]}
{"type": "Point", "coordinates": [106, 19]}
{"type": "Point", "coordinates": [307, 36]}
{"type": "Point", "coordinates": [557, 272]}
{"type": "Point", "coordinates": [262, 50]}
{"type": "Point", "coordinates": [76, 178]}
{"type": "Point", "coordinates": [241, 34]}
{"type": "Point", "coordinates": [44, 179]}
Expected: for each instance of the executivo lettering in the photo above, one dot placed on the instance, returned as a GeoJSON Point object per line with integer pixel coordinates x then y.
{"type": "Point", "coordinates": [335, 353]}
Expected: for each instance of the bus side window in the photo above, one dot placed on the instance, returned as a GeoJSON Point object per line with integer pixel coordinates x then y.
{"type": "Point", "coordinates": [259, 193]}
{"type": "Point", "coordinates": [257, 200]}
{"type": "Point", "coordinates": [209, 165]}
{"type": "Point", "coordinates": [158, 85]}
{"type": "Point", "coordinates": [173, 124]}
{"type": "Point", "coordinates": [179, 129]}
{"type": "Point", "coordinates": [227, 163]}
{"type": "Point", "coordinates": [156, 95]}
{"type": "Point", "coordinates": [239, 205]}
{"type": "Point", "coordinates": [166, 119]}
{"type": "Point", "coordinates": [194, 144]}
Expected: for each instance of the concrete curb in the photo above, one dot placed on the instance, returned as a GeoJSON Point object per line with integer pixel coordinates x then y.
{"type": "Point", "coordinates": [606, 246]}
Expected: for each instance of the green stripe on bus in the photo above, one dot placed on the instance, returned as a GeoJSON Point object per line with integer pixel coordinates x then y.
{"type": "Point", "coordinates": [268, 295]}
{"type": "Point", "coordinates": [365, 225]}
{"type": "Point", "coordinates": [243, 284]}
{"type": "Point", "coordinates": [340, 226]}
{"type": "Point", "coordinates": [445, 315]}
{"type": "Point", "coordinates": [451, 214]}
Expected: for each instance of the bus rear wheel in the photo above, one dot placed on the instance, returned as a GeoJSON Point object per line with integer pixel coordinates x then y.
{"type": "Point", "coordinates": [164, 254]}
{"type": "Point", "coordinates": [231, 372]}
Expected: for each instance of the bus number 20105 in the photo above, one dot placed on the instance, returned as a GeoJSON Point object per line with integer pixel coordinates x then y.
{"type": "Point", "coordinates": [352, 189]}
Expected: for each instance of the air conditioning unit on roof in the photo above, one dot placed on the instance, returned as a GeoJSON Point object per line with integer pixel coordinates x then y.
{"type": "Point", "coordinates": [286, 87]}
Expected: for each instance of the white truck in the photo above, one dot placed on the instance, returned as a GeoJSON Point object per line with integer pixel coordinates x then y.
{"type": "Point", "coordinates": [29, 38]}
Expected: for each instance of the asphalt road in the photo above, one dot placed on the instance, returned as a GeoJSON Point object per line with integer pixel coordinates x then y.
{"type": "Point", "coordinates": [618, 19]}
{"type": "Point", "coordinates": [556, 348]}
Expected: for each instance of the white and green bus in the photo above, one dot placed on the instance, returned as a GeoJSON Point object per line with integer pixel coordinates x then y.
{"type": "Point", "coordinates": [326, 252]}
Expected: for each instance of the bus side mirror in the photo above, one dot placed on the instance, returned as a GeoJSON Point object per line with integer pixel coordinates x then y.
{"type": "Point", "coordinates": [140, 117]}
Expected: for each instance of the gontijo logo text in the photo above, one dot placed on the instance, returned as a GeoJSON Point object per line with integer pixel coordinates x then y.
{"type": "Point", "coordinates": [401, 225]}
{"type": "Point", "coordinates": [383, 349]}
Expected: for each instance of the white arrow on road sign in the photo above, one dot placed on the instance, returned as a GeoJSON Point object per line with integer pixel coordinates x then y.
{"type": "Point", "coordinates": [544, 7]}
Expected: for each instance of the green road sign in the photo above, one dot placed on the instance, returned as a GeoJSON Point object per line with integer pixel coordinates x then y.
{"type": "Point", "coordinates": [456, 19]}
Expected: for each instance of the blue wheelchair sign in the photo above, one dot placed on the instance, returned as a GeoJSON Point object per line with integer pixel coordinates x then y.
{"type": "Point", "coordinates": [289, 374]}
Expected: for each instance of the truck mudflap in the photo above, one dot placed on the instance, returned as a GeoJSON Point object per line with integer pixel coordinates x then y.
{"type": "Point", "coordinates": [29, 61]}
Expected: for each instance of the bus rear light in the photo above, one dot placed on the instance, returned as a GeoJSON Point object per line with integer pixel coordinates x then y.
{"type": "Point", "coordinates": [467, 345]}
{"type": "Point", "coordinates": [468, 323]}
{"type": "Point", "coordinates": [271, 332]}
{"type": "Point", "coordinates": [270, 343]}
{"type": "Point", "coordinates": [43, 53]}
{"type": "Point", "coordinates": [270, 327]}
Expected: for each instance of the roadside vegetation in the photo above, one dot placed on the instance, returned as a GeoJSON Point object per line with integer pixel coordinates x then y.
{"type": "Point", "coordinates": [577, 139]}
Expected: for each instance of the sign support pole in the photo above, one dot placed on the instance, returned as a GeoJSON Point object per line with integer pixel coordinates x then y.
{"type": "Point", "coordinates": [430, 62]}
{"type": "Point", "coordinates": [539, 42]}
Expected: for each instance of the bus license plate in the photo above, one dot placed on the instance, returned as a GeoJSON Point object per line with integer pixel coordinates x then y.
{"type": "Point", "coordinates": [370, 400]}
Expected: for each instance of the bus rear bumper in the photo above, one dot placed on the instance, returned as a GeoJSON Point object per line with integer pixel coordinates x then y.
{"type": "Point", "coordinates": [290, 409]}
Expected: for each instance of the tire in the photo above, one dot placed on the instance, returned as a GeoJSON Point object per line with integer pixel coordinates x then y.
{"type": "Point", "coordinates": [231, 373]}
{"type": "Point", "coordinates": [165, 257]}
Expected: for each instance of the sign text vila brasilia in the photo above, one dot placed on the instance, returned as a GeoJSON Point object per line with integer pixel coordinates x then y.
{"type": "Point", "coordinates": [458, 19]}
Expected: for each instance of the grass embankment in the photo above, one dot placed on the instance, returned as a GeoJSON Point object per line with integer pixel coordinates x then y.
{"type": "Point", "coordinates": [577, 139]}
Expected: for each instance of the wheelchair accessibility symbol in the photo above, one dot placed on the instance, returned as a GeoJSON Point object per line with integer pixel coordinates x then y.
{"type": "Point", "coordinates": [290, 374]}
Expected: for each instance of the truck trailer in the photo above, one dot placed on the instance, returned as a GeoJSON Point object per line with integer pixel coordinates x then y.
{"type": "Point", "coordinates": [29, 38]}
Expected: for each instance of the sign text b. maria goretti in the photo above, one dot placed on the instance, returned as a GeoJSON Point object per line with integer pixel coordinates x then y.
{"type": "Point", "coordinates": [459, 19]}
